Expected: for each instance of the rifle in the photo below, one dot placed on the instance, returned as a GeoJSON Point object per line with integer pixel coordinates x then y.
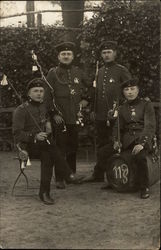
{"type": "Point", "coordinates": [34, 57]}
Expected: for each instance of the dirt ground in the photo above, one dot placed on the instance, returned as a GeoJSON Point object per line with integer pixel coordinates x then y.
{"type": "Point", "coordinates": [83, 217]}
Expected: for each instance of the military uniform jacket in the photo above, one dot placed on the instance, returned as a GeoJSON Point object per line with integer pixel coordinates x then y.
{"type": "Point", "coordinates": [109, 81]}
{"type": "Point", "coordinates": [137, 123]}
{"type": "Point", "coordinates": [24, 128]}
{"type": "Point", "coordinates": [70, 87]}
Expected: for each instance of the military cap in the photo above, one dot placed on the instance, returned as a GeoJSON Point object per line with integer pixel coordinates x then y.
{"type": "Point", "coordinates": [65, 46]}
{"type": "Point", "coordinates": [36, 82]}
{"type": "Point", "coordinates": [108, 45]}
{"type": "Point", "coordinates": [129, 83]}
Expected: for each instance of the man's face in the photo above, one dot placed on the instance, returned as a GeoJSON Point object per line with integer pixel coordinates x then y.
{"type": "Point", "coordinates": [108, 55]}
{"type": "Point", "coordinates": [131, 93]}
{"type": "Point", "coordinates": [36, 94]}
{"type": "Point", "coordinates": [66, 57]}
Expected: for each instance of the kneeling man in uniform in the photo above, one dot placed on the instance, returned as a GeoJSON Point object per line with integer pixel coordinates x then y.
{"type": "Point", "coordinates": [32, 131]}
{"type": "Point", "coordinates": [137, 125]}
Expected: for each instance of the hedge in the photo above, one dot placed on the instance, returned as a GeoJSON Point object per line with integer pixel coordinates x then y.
{"type": "Point", "coordinates": [135, 27]}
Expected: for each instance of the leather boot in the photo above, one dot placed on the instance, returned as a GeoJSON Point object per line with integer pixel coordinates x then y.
{"type": "Point", "coordinates": [46, 199]}
{"type": "Point", "coordinates": [145, 193]}
{"type": "Point", "coordinates": [73, 179]}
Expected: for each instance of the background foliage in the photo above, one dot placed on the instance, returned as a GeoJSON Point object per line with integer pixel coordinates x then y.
{"type": "Point", "coordinates": [135, 25]}
{"type": "Point", "coordinates": [135, 28]}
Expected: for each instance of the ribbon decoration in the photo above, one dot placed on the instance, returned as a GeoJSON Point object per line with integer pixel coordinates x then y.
{"type": "Point", "coordinates": [34, 57]}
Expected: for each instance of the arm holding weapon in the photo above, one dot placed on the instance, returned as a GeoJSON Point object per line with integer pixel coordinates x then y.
{"type": "Point", "coordinates": [58, 117]}
{"type": "Point", "coordinates": [4, 82]}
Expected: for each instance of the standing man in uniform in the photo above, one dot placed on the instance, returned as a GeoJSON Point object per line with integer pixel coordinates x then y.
{"type": "Point", "coordinates": [137, 130]}
{"type": "Point", "coordinates": [33, 135]}
{"type": "Point", "coordinates": [70, 92]}
{"type": "Point", "coordinates": [107, 96]}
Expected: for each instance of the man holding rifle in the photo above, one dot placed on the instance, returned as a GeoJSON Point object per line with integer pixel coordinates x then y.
{"type": "Point", "coordinates": [107, 95]}
{"type": "Point", "coordinates": [70, 93]}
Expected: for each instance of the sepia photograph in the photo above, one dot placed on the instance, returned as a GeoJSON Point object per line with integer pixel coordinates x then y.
{"type": "Point", "coordinates": [80, 124]}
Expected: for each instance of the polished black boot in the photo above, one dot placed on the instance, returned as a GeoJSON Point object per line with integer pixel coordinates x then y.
{"type": "Point", "coordinates": [145, 193]}
{"type": "Point", "coordinates": [74, 179]}
{"type": "Point", "coordinates": [46, 198]}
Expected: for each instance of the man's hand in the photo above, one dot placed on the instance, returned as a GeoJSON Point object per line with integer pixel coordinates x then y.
{"type": "Point", "coordinates": [41, 136]}
{"type": "Point", "coordinates": [137, 148]}
{"type": "Point", "coordinates": [58, 119]}
{"type": "Point", "coordinates": [83, 103]}
{"type": "Point", "coordinates": [117, 145]}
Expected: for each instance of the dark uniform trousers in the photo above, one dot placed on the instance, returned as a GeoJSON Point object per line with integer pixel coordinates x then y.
{"type": "Point", "coordinates": [68, 144]}
{"type": "Point", "coordinates": [104, 134]}
{"type": "Point", "coordinates": [105, 153]}
{"type": "Point", "coordinates": [49, 155]}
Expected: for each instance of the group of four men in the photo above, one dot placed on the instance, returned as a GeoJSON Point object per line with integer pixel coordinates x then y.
{"type": "Point", "coordinates": [50, 132]}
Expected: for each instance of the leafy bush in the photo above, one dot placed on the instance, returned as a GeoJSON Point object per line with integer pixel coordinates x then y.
{"type": "Point", "coordinates": [136, 28]}
{"type": "Point", "coordinates": [135, 25]}
{"type": "Point", "coordinates": [16, 59]}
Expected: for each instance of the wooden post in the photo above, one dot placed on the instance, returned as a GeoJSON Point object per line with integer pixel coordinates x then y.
{"type": "Point", "coordinates": [31, 17]}
{"type": "Point", "coordinates": [72, 19]}
{"type": "Point", "coordinates": [39, 20]}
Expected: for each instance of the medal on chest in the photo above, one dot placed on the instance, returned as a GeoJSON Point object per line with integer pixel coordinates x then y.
{"type": "Point", "coordinates": [72, 91]}
{"type": "Point", "coordinates": [76, 80]}
{"type": "Point", "coordinates": [133, 112]}
{"type": "Point", "coordinates": [111, 80]}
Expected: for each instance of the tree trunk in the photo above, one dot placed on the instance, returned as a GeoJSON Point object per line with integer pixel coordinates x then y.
{"type": "Point", "coordinates": [72, 19]}
{"type": "Point", "coordinates": [31, 17]}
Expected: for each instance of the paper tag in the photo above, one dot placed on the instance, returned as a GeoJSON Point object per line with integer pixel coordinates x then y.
{"type": "Point", "coordinates": [28, 162]}
{"type": "Point", "coordinates": [34, 68]}
{"type": "Point", "coordinates": [4, 81]}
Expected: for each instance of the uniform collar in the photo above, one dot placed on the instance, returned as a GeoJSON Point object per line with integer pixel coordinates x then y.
{"type": "Point", "coordinates": [110, 64]}
{"type": "Point", "coordinates": [65, 66]}
{"type": "Point", "coordinates": [134, 102]}
{"type": "Point", "coordinates": [33, 102]}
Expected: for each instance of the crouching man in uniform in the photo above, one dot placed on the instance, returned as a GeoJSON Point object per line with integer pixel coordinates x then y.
{"type": "Point", "coordinates": [32, 131]}
{"type": "Point", "coordinates": [70, 92]}
{"type": "Point", "coordinates": [137, 128]}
